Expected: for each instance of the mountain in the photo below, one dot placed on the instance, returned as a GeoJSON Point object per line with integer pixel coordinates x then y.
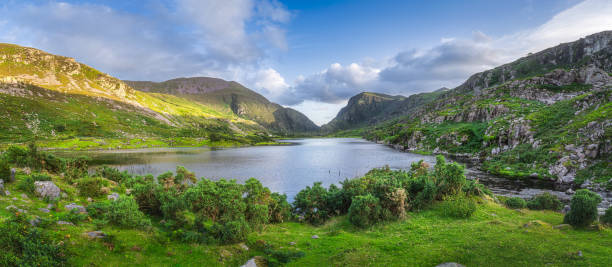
{"type": "Point", "coordinates": [547, 115]}
{"type": "Point", "coordinates": [232, 98]}
{"type": "Point", "coordinates": [51, 97]}
{"type": "Point", "coordinates": [367, 108]}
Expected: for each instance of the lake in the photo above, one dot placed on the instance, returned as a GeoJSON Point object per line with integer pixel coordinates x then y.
{"type": "Point", "coordinates": [289, 168]}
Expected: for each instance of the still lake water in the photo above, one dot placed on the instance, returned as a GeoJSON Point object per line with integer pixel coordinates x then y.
{"type": "Point", "coordinates": [289, 168]}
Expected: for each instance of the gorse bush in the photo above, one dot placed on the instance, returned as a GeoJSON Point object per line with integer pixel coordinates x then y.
{"type": "Point", "coordinates": [364, 211]}
{"type": "Point", "coordinates": [5, 169]}
{"type": "Point", "coordinates": [26, 245]}
{"type": "Point", "coordinates": [91, 186]}
{"type": "Point", "coordinates": [545, 201]}
{"type": "Point", "coordinates": [112, 174]}
{"type": "Point", "coordinates": [583, 208]}
{"type": "Point", "coordinates": [124, 212]}
{"type": "Point", "coordinates": [395, 193]}
{"type": "Point", "coordinates": [458, 206]}
{"type": "Point", "coordinates": [515, 203]}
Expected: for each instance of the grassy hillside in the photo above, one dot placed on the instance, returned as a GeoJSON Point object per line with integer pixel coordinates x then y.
{"type": "Point", "coordinates": [53, 98]}
{"type": "Point", "coordinates": [233, 99]}
{"type": "Point", "coordinates": [544, 116]}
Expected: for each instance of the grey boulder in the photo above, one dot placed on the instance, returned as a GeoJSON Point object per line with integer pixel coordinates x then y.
{"type": "Point", "coordinates": [47, 189]}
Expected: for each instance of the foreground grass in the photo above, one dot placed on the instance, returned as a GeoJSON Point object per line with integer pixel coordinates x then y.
{"type": "Point", "coordinates": [493, 236]}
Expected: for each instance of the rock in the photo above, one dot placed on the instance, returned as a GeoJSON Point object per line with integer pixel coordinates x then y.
{"type": "Point", "coordinates": [44, 210]}
{"type": "Point", "coordinates": [65, 223]}
{"type": "Point", "coordinates": [105, 190]}
{"type": "Point", "coordinates": [225, 253]}
{"type": "Point", "coordinates": [450, 264]}
{"type": "Point", "coordinates": [27, 171]}
{"type": "Point", "coordinates": [95, 234]}
{"type": "Point", "coordinates": [7, 193]}
{"type": "Point", "coordinates": [50, 206]}
{"type": "Point", "coordinates": [562, 226]}
{"type": "Point", "coordinates": [47, 189]}
{"type": "Point", "coordinates": [2, 192]}
{"type": "Point", "coordinates": [250, 263]}
{"type": "Point", "coordinates": [24, 196]}
{"type": "Point", "coordinates": [35, 221]}
{"type": "Point", "coordinates": [13, 207]}
{"type": "Point", "coordinates": [569, 192]}
{"type": "Point", "coordinates": [565, 209]}
{"type": "Point", "coordinates": [12, 176]}
{"type": "Point", "coordinates": [243, 246]}
{"type": "Point", "coordinates": [579, 254]}
{"type": "Point", "coordinates": [292, 243]}
{"type": "Point", "coordinates": [113, 196]}
{"type": "Point", "coordinates": [315, 237]}
{"type": "Point", "coordinates": [72, 206]}
{"type": "Point", "coordinates": [592, 150]}
{"type": "Point", "coordinates": [89, 199]}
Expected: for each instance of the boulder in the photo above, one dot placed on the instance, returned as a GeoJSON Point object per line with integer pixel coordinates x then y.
{"type": "Point", "coordinates": [65, 223]}
{"type": "Point", "coordinates": [244, 247]}
{"type": "Point", "coordinates": [12, 176]}
{"type": "Point", "coordinates": [113, 197]}
{"type": "Point", "coordinates": [44, 210]}
{"type": "Point", "coordinates": [565, 209]}
{"type": "Point", "coordinates": [2, 187]}
{"type": "Point", "coordinates": [47, 189]}
{"type": "Point", "coordinates": [72, 206]}
{"type": "Point", "coordinates": [95, 234]}
{"type": "Point", "coordinates": [315, 237]}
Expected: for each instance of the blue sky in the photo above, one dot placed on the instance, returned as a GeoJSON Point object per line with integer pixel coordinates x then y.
{"type": "Point", "coordinates": [311, 55]}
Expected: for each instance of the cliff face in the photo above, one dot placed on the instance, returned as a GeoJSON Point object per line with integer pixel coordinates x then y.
{"type": "Point", "coordinates": [547, 115]}
{"type": "Point", "coordinates": [233, 98]}
{"type": "Point", "coordinates": [367, 109]}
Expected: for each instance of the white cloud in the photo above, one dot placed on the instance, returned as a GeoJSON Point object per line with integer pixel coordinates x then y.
{"type": "Point", "coordinates": [221, 38]}
{"type": "Point", "coordinates": [319, 113]}
{"type": "Point", "coordinates": [270, 82]}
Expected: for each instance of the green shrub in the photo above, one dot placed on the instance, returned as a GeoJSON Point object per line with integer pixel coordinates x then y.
{"type": "Point", "coordinates": [112, 174]}
{"type": "Point", "coordinates": [449, 177]}
{"type": "Point", "coordinates": [474, 188]}
{"type": "Point", "coordinates": [364, 211]}
{"type": "Point", "coordinates": [73, 216]}
{"type": "Point", "coordinates": [232, 231]}
{"type": "Point", "coordinates": [545, 201]}
{"type": "Point", "coordinates": [122, 212]}
{"type": "Point", "coordinates": [426, 196]}
{"type": "Point", "coordinates": [607, 217]}
{"type": "Point", "coordinates": [91, 186]}
{"type": "Point", "coordinates": [311, 202]}
{"type": "Point", "coordinates": [583, 208]}
{"type": "Point", "coordinates": [281, 257]}
{"type": "Point", "coordinates": [515, 203]}
{"type": "Point", "coordinates": [458, 206]}
{"type": "Point", "coordinates": [5, 169]}
{"type": "Point", "coordinates": [280, 209]}
{"type": "Point", "coordinates": [26, 184]}
{"type": "Point", "coordinates": [25, 245]}
{"type": "Point", "coordinates": [40, 177]}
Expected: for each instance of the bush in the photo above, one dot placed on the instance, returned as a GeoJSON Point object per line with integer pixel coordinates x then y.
{"type": "Point", "coordinates": [280, 209]}
{"type": "Point", "coordinates": [450, 177]}
{"type": "Point", "coordinates": [5, 170]}
{"type": "Point", "coordinates": [124, 212]}
{"type": "Point", "coordinates": [607, 217]}
{"type": "Point", "coordinates": [25, 245]}
{"type": "Point", "coordinates": [91, 186]}
{"type": "Point", "coordinates": [475, 188]}
{"type": "Point", "coordinates": [26, 184]}
{"type": "Point", "coordinates": [364, 211]}
{"type": "Point", "coordinates": [516, 203]}
{"type": "Point", "coordinates": [232, 231]}
{"type": "Point", "coordinates": [311, 202]}
{"type": "Point", "coordinates": [112, 174]}
{"type": "Point", "coordinates": [545, 201]}
{"type": "Point", "coordinates": [583, 208]}
{"type": "Point", "coordinates": [459, 206]}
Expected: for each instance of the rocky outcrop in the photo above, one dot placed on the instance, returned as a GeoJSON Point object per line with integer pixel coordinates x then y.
{"type": "Point", "coordinates": [47, 189]}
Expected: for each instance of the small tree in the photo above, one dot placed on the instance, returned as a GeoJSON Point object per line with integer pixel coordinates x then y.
{"type": "Point", "coordinates": [583, 208]}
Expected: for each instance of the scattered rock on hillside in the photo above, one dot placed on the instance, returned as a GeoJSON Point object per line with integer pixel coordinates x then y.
{"type": "Point", "coordinates": [44, 210]}
{"type": "Point", "coordinates": [113, 196]}
{"type": "Point", "coordinates": [65, 223]}
{"type": "Point", "coordinates": [13, 207]}
{"type": "Point", "coordinates": [47, 189]}
{"type": "Point", "coordinates": [450, 264]}
{"type": "Point", "coordinates": [562, 226]}
{"type": "Point", "coordinates": [72, 206]}
{"type": "Point", "coordinates": [315, 237]}
{"type": "Point", "coordinates": [95, 234]}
